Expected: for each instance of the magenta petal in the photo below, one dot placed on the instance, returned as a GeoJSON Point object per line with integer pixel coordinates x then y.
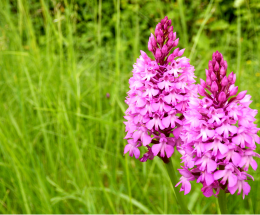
{"type": "Point", "coordinates": [156, 148]}
{"type": "Point", "coordinates": [253, 164]}
{"type": "Point", "coordinates": [242, 162]}
{"type": "Point", "coordinates": [211, 165]}
{"type": "Point", "coordinates": [146, 139]}
{"type": "Point", "coordinates": [167, 108]}
{"type": "Point", "coordinates": [127, 148]}
{"type": "Point", "coordinates": [233, 129]}
{"type": "Point", "coordinates": [176, 132]}
{"type": "Point", "coordinates": [219, 174]}
{"type": "Point", "coordinates": [232, 180]}
{"type": "Point", "coordinates": [150, 124]}
{"type": "Point", "coordinates": [167, 99]}
{"type": "Point", "coordinates": [199, 161]}
{"type": "Point", "coordinates": [220, 130]}
{"type": "Point", "coordinates": [169, 150]}
{"type": "Point", "coordinates": [248, 139]}
{"type": "Point", "coordinates": [223, 148]}
{"type": "Point", "coordinates": [208, 192]}
{"type": "Point", "coordinates": [161, 85]}
{"type": "Point", "coordinates": [136, 153]}
{"type": "Point", "coordinates": [187, 187]}
{"type": "Point", "coordinates": [208, 146]}
{"type": "Point", "coordinates": [166, 121]}
{"type": "Point", "coordinates": [233, 189]}
{"type": "Point", "coordinates": [209, 178]}
{"type": "Point", "coordinates": [136, 135]}
{"type": "Point", "coordinates": [140, 102]}
{"type": "Point", "coordinates": [155, 92]}
{"type": "Point", "coordinates": [246, 188]}
{"type": "Point", "coordinates": [186, 173]}
{"type": "Point", "coordinates": [236, 140]}
{"type": "Point", "coordinates": [210, 133]}
{"type": "Point", "coordinates": [155, 106]}
{"type": "Point", "coordinates": [236, 158]}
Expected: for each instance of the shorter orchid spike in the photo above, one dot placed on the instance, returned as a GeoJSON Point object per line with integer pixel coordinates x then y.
{"type": "Point", "coordinates": [219, 135]}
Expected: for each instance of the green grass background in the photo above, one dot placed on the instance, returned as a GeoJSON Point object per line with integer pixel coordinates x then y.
{"type": "Point", "coordinates": [61, 136]}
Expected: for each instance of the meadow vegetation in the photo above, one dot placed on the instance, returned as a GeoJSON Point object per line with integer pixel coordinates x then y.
{"type": "Point", "coordinates": [64, 70]}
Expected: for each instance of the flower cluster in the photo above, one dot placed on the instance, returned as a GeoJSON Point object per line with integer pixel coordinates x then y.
{"type": "Point", "coordinates": [219, 135]}
{"type": "Point", "coordinates": [159, 92]}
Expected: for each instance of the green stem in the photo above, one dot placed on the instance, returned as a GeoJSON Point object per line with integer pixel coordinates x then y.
{"type": "Point", "coordinates": [222, 201]}
{"type": "Point", "coordinates": [179, 196]}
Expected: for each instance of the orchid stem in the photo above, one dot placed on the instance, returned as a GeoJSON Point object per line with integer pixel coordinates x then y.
{"type": "Point", "coordinates": [222, 201]}
{"type": "Point", "coordinates": [179, 197]}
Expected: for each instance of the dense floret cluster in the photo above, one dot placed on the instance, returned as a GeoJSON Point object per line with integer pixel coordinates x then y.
{"type": "Point", "coordinates": [159, 92]}
{"type": "Point", "coordinates": [219, 135]}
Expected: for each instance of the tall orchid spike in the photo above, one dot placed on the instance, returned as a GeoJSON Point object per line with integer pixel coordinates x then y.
{"type": "Point", "coordinates": [159, 92]}
{"type": "Point", "coordinates": [219, 134]}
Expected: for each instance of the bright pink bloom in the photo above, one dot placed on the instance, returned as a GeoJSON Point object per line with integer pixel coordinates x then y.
{"type": "Point", "coordinates": [219, 134]}
{"type": "Point", "coordinates": [159, 92]}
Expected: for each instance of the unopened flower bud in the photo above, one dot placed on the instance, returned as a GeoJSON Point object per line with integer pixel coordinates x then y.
{"type": "Point", "coordinates": [176, 42]}
{"type": "Point", "coordinates": [159, 39]}
{"type": "Point", "coordinates": [169, 22]}
{"type": "Point", "coordinates": [225, 65]}
{"type": "Point", "coordinates": [213, 62]}
{"type": "Point", "coordinates": [166, 18]}
{"type": "Point", "coordinates": [158, 26]}
{"type": "Point", "coordinates": [158, 53]}
{"type": "Point", "coordinates": [230, 77]}
{"type": "Point", "coordinates": [222, 71]}
{"type": "Point", "coordinates": [234, 79]}
{"type": "Point", "coordinates": [241, 95]}
{"type": "Point", "coordinates": [233, 91]}
{"type": "Point", "coordinates": [214, 87]}
{"type": "Point", "coordinates": [210, 64]}
{"type": "Point", "coordinates": [165, 26]}
{"type": "Point", "coordinates": [170, 29]}
{"type": "Point", "coordinates": [213, 77]}
{"type": "Point", "coordinates": [175, 52]}
{"type": "Point", "coordinates": [201, 90]}
{"type": "Point", "coordinates": [163, 21]}
{"type": "Point", "coordinates": [180, 53]}
{"type": "Point", "coordinates": [208, 72]}
{"type": "Point", "coordinates": [208, 81]}
{"type": "Point", "coordinates": [150, 47]}
{"type": "Point", "coordinates": [218, 57]}
{"type": "Point", "coordinates": [174, 36]}
{"type": "Point", "coordinates": [224, 81]}
{"type": "Point", "coordinates": [171, 57]}
{"type": "Point", "coordinates": [203, 83]}
{"type": "Point", "coordinates": [170, 36]}
{"type": "Point", "coordinates": [161, 32]}
{"type": "Point", "coordinates": [153, 40]}
{"type": "Point", "coordinates": [216, 67]}
{"type": "Point", "coordinates": [164, 49]}
{"type": "Point", "coordinates": [222, 62]}
{"type": "Point", "coordinates": [170, 43]}
{"type": "Point", "coordinates": [222, 97]}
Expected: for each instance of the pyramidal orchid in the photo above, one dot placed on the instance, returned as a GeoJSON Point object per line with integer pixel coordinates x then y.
{"type": "Point", "coordinates": [160, 89]}
{"type": "Point", "coordinates": [219, 135]}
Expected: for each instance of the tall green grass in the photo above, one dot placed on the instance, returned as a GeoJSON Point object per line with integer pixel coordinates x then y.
{"type": "Point", "coordinates": [61, 136]}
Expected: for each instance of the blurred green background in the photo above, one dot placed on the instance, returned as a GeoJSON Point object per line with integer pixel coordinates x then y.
{"type": "Point", "coordinates": [64, 70]}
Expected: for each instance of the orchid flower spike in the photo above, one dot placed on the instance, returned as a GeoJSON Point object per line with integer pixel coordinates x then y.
{"type": "Point", "coordinates": [159, 92]}
{"type": "Point", "coordinates": [219, 135]}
